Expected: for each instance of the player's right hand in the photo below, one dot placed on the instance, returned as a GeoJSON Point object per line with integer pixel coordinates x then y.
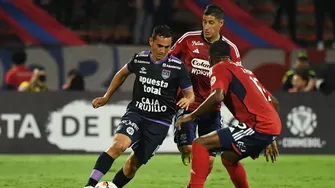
{"type": "Point", "coordinates": [184, 103]}
{"type": "Point", "coordinates": [272, 151]}
{"type": "Point", "coordinates": [99, 101]}
{"type": "Point", "coordinates": [184, 119]}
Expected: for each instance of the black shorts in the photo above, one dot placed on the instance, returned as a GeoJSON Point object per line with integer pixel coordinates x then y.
{"type": "Point", "coordinates": [146, 135]}
{"type": "Point", "coordinates": [244, 140]}
{"type": "Point", "coordinates": [206, 124]}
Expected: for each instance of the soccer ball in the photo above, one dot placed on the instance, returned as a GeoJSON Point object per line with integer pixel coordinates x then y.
{"type": "Point", "coordinates": [105, 184]}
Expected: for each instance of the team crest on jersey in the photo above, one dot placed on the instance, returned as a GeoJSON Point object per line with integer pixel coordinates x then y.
{"type": "Point", "coordinates": [166, 73]}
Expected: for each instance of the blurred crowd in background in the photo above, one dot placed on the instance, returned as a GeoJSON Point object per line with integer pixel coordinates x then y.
{"type": "Point", "coordinates": [307, 22]}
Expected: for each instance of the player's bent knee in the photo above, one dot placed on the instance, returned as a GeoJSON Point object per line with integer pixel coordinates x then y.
{"type": "Point", "coordinates": [185, 150]}
{"type": "Point", "coordinates": [119, 145]}
{"type": "Point", "coordinates": [131, 166]}
{"type": "Point", "coordinates": [116, 149]}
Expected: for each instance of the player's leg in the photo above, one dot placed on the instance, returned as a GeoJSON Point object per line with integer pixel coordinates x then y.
{"type": "Point", "coordinates": [184, 139]}
{"type": "Point", "coordinates": [126, 174]}
{"type": "Point", "coordinates": [200, 158]}
{"type": "Point", "coordinates": [239, 142]}
{"type": "Point", "coordinates": [235, 169]}
{"type": "Point", "coordinates": [234, 150]}
{"type": "Point", "coordinates": [217, 140]}
{"type": "Point", "coordinates": [153, 135]}
{"type": "Point", "coordinates": [207, 124]}
{"type": "Point", "coordinates": [127, 133]}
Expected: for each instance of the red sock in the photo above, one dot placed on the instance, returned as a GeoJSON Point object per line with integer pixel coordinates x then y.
{"type": "Point", "coordinates": [200, 166]}
{"type": "Point", "coordinates": [237, 174]}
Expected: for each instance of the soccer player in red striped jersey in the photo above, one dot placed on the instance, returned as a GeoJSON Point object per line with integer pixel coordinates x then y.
{"type": "Point", "coordinates": [252, 105]}
{"type": "Point", "coordinates": [192, 48]}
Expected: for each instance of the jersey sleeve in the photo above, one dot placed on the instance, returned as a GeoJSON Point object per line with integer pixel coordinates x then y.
{"type": "Point", "coordinates": [131, 65]}
{"type": "Point", "coordinates": [177, 48]}
{"type": "Point", "coordinates": [184, 78]}
{"type": "Point", "coordinates": [234, 53]}
{"type": "Point", "coordinates": [220, 78]}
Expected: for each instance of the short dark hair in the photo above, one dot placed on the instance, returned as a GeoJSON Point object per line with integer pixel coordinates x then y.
{"type": "Point", "coordinates": [214, 10]}
{"type": "Point", "coordinates": [19, 57]}
{"type": "Point", "coordinates": [161, 30]}
{"type": "Point", "coordinates": [219, 49]}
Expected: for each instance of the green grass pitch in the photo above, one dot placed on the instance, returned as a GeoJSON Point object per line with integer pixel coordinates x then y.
{"type": "Point", "coordinates": [165, 171]}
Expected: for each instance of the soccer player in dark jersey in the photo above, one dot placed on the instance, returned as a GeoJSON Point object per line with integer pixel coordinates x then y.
{"type": "Point", "coordinates": [149, 115]}
{"type": "Point", "coordinates": [192, 48]}
{"type": "Point", "coordinates": [252, 105]}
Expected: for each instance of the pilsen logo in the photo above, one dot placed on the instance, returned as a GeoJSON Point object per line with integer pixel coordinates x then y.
{"type": "Point", "coordinates": [197, 43]}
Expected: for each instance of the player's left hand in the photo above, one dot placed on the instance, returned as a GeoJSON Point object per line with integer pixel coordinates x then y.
{"type": "Point", "coordinates": [184, 103]}
{"type": "Point", "coordinates": [184, 119]}
{"type": "Point", "coordinates": [272, 151]}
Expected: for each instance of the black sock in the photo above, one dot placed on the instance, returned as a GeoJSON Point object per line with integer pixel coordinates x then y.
{"type": "Point", "coordinates": [103, 164]}
{"type": "Point", "coordinates": [120, 179]}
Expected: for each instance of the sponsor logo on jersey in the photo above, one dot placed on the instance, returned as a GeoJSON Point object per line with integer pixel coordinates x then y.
{"type": "Point", "coordinates": [200, 67]}
{"type": "Point", "coordinates": [154, 82]}
{"type": "Point", "coordinates": [152, 85]}
{"type": "Point", "coordinates": [130, 123]}
{"type": "Point", "coordinates": [171, 66]}
{"type": "Point", "coordinates": [150, 105]}
{"type": "Point", "coordinates": [196, 51]}
{"type": "Point", "coordinates": [174, 61]}
{"type": "Point", "coordinates": [143, 70]}
{"type": "Point", "coordinates": [200, 64]}
{"type": "Point", "coordinates": [141, 61]}
{"type": "Point", "coordinates": [142, 54]}
{"type": "Point", "coordinates": [197, 43]}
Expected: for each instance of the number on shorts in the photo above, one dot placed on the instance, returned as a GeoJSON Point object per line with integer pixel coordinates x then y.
{"type": "Point", "coordinates": [260, 88]}
{"type": "Point", "coordinates": [240, 125]}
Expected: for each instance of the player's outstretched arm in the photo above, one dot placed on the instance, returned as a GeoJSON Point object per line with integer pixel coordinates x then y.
{"type": "Point", "coordinates": [214, 99]}
{"type": "Point", "coordinates": [116, 82]}
{"type": "Point", "coordinates": [210, 103]}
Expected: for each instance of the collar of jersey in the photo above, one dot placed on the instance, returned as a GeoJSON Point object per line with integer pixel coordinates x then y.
{"type": "Point", "coordinates": [203, 38]}
{"type": "Point", "coordinates": [157, 62]}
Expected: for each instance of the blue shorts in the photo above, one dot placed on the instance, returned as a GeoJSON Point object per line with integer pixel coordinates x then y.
{"type": "Point", "coordinates": [146, 135]}
{"type": "Point", "coordinates": [206, 124]}
{"type": "Point", "coordinates": [245, 141]}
